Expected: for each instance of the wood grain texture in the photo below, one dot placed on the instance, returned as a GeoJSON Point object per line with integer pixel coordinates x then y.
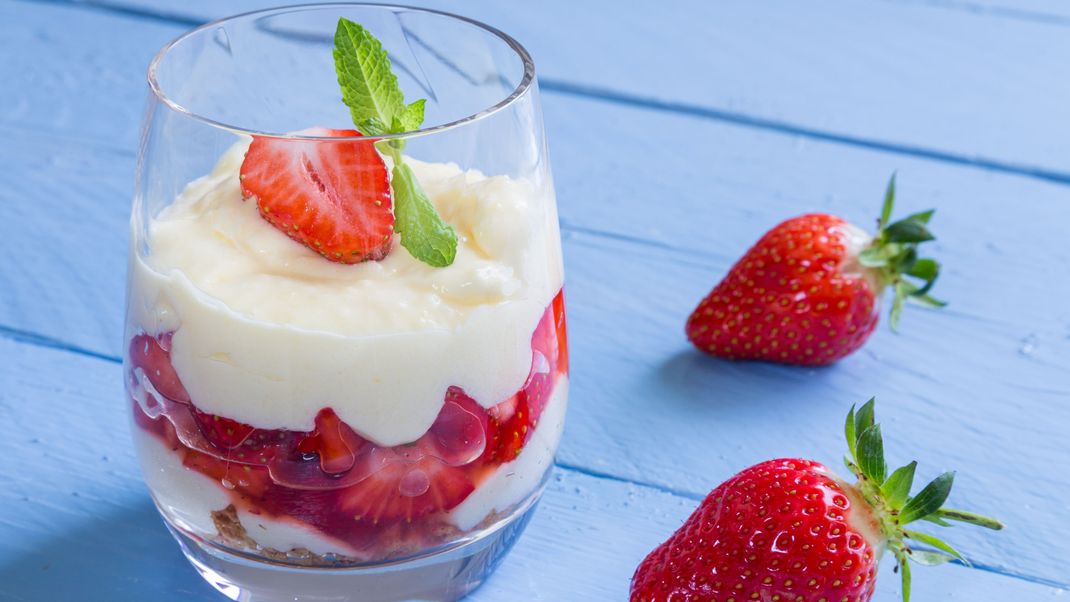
{"type": "Point", "coordinates": [632, 281]}
{"type": "Point", "coordinates": [78, 523]}
{"type": "Point", "coordinates": [649, 226]}
{"type": "Point", "coordinates": [913, 75]}
{"type": "Point", "coordinates": [1052, 12]}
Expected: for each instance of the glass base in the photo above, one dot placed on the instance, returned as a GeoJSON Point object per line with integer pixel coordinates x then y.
{"type": "Point", "coordinates": [442, 576]}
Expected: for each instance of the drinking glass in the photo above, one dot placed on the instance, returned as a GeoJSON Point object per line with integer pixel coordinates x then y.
{"type": "Point", "coordinates": [315, 430]}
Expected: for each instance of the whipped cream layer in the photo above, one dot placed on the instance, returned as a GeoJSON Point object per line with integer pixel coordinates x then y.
{"type": "Point", "coordinates": [267, 332]}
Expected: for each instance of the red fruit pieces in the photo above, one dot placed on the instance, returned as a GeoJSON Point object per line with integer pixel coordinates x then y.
{"type": "Point", "coordinates": [153, 357]}
{"type": "Point", "coordinates": [409, 485]}
{"type": "Point", "coordinates": [513, 421]}
{"type": "Point", "coordinates": [459, 434]}
{"type": "Point", "coordinates": [558, 309]}
{"type": "Point", "coordinates": [780, 530]}
{"type": "Point", "coordinates": [222, 432]}
{"type": "Point", "coordinates": [334, 442]}
{"type": "Point", "coordinates": [789, 298]}
{"type": "Point", "coordinates": [247, 480]}
{"type": "Point", "coordinates": [332, 196]}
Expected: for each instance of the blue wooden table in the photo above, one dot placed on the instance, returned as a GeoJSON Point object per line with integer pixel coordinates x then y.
{"type": "Point", "coordinates": [678, 133]}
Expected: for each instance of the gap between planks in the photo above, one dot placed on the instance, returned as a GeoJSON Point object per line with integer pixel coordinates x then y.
{"type": "Point", "coordinates": [556, 86]}
{"type": "Point", "coordinates": [1005, 12]}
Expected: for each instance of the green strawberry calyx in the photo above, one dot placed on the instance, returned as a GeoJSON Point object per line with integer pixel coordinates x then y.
{"type": "Point", "coordinates": [894, 507]}
{"type": "Point", "coordinates": [893, 256]}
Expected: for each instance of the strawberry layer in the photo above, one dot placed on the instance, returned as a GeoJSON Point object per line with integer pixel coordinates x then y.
{"type": "Point", "coordinates": [266, 332]}
{"type": "Point", "coordinates": [329, 490]}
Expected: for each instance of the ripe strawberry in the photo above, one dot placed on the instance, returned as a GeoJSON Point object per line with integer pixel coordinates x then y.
{"type": "Point", "coordinates": [333, 197]}
{"type": "Point", "coordinates": [808, 291]}
{"type": "Point", "coordinates": [792, 530]}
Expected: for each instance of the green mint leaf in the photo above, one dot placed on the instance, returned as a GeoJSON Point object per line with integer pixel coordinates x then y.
{"type": "Point", "coordinates": [369, 87]}
{"type": "Point", "coordinates": [373, 127]}
{"type": "Point", "coordinates": [896, 489]}
{"type": "Point", "coordinates": [377, 105]}
{"type": "Point", "coordinates": [413, 116]}
{"type": "Point", "coordinates": [871, 454]}
{"type": "Point", "coordinates": [928, 499]}
{"type": "Point", "coordinates": [423, 233]}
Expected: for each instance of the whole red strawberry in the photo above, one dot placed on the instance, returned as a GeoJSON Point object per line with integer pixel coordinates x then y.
{"type": "Point", "coordinates": [808, 292]}
{"type": "Point", "coordinates": [791, 530]}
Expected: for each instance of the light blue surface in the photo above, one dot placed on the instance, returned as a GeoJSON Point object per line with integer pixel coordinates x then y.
{"type": "Point", "coordinates": [672, 152]}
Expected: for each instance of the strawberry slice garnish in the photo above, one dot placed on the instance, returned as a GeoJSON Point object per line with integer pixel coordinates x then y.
{"type": "Point", "coordinates": [331, 196]}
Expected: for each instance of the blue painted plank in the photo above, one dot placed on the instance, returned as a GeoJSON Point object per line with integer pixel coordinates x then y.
{"type": "Point", "coordinates": [913, 76]}
{"type": "Point", "coordinates": [648, 235]}
{"type": "Point", "coordinates": [627, 301]}
{"type": "Point", "coordinates": [654, 265]}
{"type": "Point", "coordinates": [1051, 12]}
{"type": "Point", "coordinates": [77, 523]}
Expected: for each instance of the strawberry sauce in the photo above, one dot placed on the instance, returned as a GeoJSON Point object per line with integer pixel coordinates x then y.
{"type": "Point", "coordinates": [383, 502]}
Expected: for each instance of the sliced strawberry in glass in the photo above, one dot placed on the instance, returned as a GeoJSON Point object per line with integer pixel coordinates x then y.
{"type": "Point", "coordinates": [222, 432]}
{"type": "Point", "coordinates": [406, 488]}
{"type": "Point", "coordinates": [154, 360]}
{"type": "Point", "coordinates": [458, 435]}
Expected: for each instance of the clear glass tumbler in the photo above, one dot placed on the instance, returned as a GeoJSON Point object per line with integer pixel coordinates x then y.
{"type": "Point", "coordinates": [317, 430]}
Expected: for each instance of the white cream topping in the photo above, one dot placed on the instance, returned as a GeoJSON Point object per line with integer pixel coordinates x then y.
{"type": "Point", "coordinates": [267, 332]}
{"type": "Point", "coordinates": [513, 481]}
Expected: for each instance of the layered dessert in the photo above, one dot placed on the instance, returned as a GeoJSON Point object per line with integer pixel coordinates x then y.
{"type": "Point", "coordinates": [303, 405]}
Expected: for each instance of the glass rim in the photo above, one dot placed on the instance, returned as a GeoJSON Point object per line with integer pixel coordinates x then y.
{"type": "Point", "coordinates": [521, 89]}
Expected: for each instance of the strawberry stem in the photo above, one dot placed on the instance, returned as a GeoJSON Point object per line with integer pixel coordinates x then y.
{"type": "Point", "coordinates": [891, 503]}
{"type": "Point", "coordinates": [893, 255]}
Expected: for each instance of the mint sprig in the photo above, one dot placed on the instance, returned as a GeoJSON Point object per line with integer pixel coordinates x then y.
{"type": "Point", "coordinates": [377, 105]}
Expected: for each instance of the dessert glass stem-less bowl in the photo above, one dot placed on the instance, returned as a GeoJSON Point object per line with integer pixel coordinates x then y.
{"type": "Point", "coordinates": [316, 427]}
